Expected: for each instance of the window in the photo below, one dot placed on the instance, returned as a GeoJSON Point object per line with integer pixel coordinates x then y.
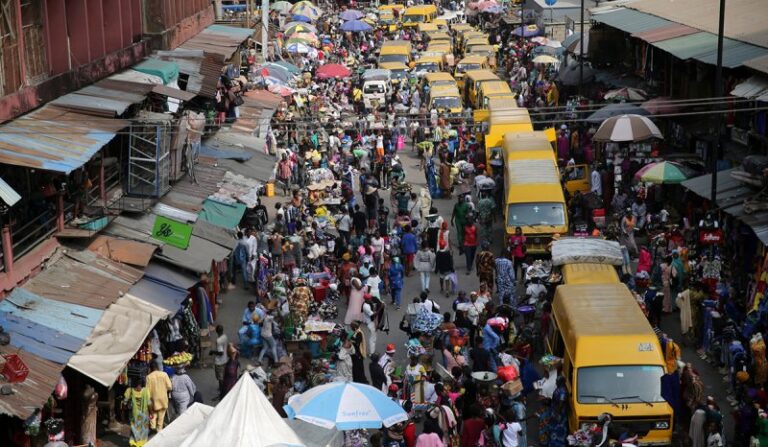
{"type": "Point", "coordinates": [532, 214]}
{"type": "Point", "coordinates": [34, 40]}
{"type": "Point", "coordinates": [619, 384]}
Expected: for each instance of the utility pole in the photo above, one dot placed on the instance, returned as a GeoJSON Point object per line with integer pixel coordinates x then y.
{"type": "Point", "coordinates": [715, 149]}
{"type": "Point", "coordinates": [248, 12]}
{"type": "Point", "coordinates": [264, 28]}
{"type": "Point", "coordinates": [581, 49]}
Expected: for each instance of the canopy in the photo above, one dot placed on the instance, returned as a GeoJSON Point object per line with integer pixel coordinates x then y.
{"type": "Point", "coordinates": [351, 14]}
{"type": "Point", "coordinates": [174, 433]}
{"type": "Point", "coordinates": [282, 7]}
{"type": "Point", "coordinates": [298, 48]}
{"type": "Point", "coordinates": [306, 9]}
{"type": "Point", "coordinates": [314, 436]}
{"type": "Point", "coordinates": [328, 71]}
{"type": "Point", "coordinates": [356, 26]}
{"type": "Point", "coordinates": [571, 74]}
{"type": "Point", "coordinates": [626, 94]}
{"type": "Point", "coordinates": [288, 66]}
{"type": "Point", "coordinates": [245, 417]}
{"type": "Point", "coordinates": [626, 128]}
{"type": "Point", "coordinates": [612, 110]}
{"type": "Point", "coordinates": [225, 215]}
{"type": "Point", "coordinates": [300, 27]}
{"type": "Point", "coordinates": [528, 31]}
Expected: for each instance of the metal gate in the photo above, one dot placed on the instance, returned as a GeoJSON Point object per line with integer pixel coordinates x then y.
{"type": "Point", "coordinates": [149, 158]}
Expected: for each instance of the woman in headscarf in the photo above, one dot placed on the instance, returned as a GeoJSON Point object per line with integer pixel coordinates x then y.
{"type": "Point", "coordinates": [356, 299]}
{"type": "Point", "coordinates": [358, 357]}
{"type": "Point", "coordinates": [184, 390]}
{"type": "Point", "coordinates": [505, 278]}
{"type": "Point", "coordinates": [232, 368]}
{"type": "Point", "coordinates": [138, 400]}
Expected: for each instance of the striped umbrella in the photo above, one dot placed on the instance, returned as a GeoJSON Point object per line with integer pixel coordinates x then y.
{"type": "Point", "coordinates": [299, 27]}
{"type": "Point", "coordinates": [626, 128]}
{"type": "Point", "coordinates": [664, 172]}
{"type": "Point", "coordinates": [306, 9]}
{"type": "Point", "coordinates": [346, 406]}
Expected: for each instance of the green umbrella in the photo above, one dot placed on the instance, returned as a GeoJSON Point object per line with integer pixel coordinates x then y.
{"type": "Point", "coordinates": [664, 172]}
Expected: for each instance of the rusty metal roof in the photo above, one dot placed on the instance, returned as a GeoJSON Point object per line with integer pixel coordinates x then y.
{"type": "Point", "coordinates": [33, 392]}
{"type": "Point", "coordinates": [173, 92]}
{"type": "Point", "coordinates": [55, 139]}
{"type": "Point", "coordinates": [189, 195]}
{"type": "Point", "coordinates": [123, 251]}
{"type": "Point", "coordinates": [665, 32]}
{"type": "Point", "coordinates": [85, 278]}
{"type": "Point", "coordinates": [219, 39]}
{"type": "Point", "coordinates": [202, 69]}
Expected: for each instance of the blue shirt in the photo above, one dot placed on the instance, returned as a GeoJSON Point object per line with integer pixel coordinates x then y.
{"type": "Point", "coordinates": [490, 338]}
{"type": "Point", "coordinates": [409, 243]}
{"type": "Point", "coordinates": [396, 272]}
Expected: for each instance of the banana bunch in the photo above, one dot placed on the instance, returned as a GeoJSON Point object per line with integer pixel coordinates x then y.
{"type": "Point", "coordinates": [181, 358]}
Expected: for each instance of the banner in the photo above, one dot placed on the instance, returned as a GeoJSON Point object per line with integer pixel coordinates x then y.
{"type": "Point", "coordinates": [172, 232]}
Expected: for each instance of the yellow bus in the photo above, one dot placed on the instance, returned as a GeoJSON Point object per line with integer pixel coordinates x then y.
{"type": "Point", "coordinates": [419, 14]}
{"type": "Point", "coordinates": [398, 71]}
{"type": "Point", "coordinates": [426, 27]}
{"type": "Point", "coordinates": [534, 199]}
{"type": "Point", "coordinates": [395, 51]}
{"type": "Point", "coordinates": [428, 64]}
{"type": "Point", "coordinates": [500, 122]}
{"type": "Point", "coordinates": [472, 80]}
{"type": "Point", "coordinates": [389, 17]}
{"type": "Point", "coordinates": [446, 100]}
{"type": "Point", "coordinates": [471, 62]}
{"type": "Point", "coordinates": [589, 273]}
{"type": "Point", "coordinates": [439, 79]}
{"type": "Point", "coordinates": [612, 360]}
{"type": "Point", "coordinates": [488, 51]}
{"type": "Point", "coordinates": [488, 90]}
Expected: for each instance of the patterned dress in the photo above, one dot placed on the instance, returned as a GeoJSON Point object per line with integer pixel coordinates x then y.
{"type": "Point", "coordinates": [505, 279]}
{"type": "Point", "coordinates": [299, 302]}
{"type": "Point", "coordinates": [485, 268]}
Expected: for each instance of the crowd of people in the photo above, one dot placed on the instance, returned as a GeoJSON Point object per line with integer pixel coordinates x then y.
{"type": "Point", "coordinates": [329, 264]}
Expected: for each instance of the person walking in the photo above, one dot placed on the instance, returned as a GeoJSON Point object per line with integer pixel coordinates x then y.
{"type": "Point", "coordinates": [516, 244]}
{"type": "Point", "coordinates": [409, 245]}
{"type": "Point", "coordinates": [396, 276]}
{"type": "Point", "coordinates": [459, 219]}
{"type": "Point", "coordinates": [359, 354]}
{"type": "Point", "coordinates": [183, 392]}
{"type": "Point", "coordinates": [444, 266]}
{"type": "Point", "coordinates": [159, 385]}
{"type": "Point", "coordinates": [269, 345]}
{"type": "Point", "coordinates": [138, 398]}
{"type": "Point", "coordinates": [220, 357]}
{"type": "Point", "coordinates": [485, 265]}
{"type": "Point", "coordinates": [425, 265]}
{"type": "Point", "coordinates": [470, 243]}
{"type": "Point", "coordinates": [231, 369]}
{"type": "Point", "coordinates": [505, 279]}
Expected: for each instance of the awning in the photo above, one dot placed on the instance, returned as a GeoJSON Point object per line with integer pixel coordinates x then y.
{"type": "Point", "coordinates": [751, 88]}
{"type": "Point", "coordinates": [9, 195]}
{"type": "Point", "coordinates": [202, 69]}
{"type": "Point", "coordinates": [189, 195]}
{"type": "Point", "coordinates": [159, 271]}
{"type": "Point", "coordinates": [173, 92]}
{"type": "Point", "coordinates": [730, 197]}
{"type": "Point", "coordinates": [225, 215]}
{"type": "Point", "coordinates": [166, 70]}
{"type": "Point", "coordinates": [702, 46]}
{"type": "Point", "coordinates": [50, 329]}
{"type": "Point", "coordinates": [758, 64]}
{"type": "Point", "coordinates": [119, 334]}
{"type": "Point", "coordinates": [123, 250]}
{"type": "Point", "coordinates": [54, 139]}
{"type": "Point", "coordinates": [238, 188]}
{"type": "Point", "coordinates": [630, 21]}
{"type": "Point", "coordinates": [160, 293]}
{"type": "Point", "coordinates": [664, 33]}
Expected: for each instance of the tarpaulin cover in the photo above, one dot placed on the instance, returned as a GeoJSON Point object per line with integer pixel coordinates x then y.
{"type": "Point", "coordinates": [174, 433]}
{"type": "Point", "coordinates": [116, 338]}
{"type": "Point", "coordinates": [576, 250]}
{"type": "Point", "coordinates": [165, 70]}
{"type": "Point", "coordinates": [160, 293]}
{"type": "Point", "coordinates": [222, 214]}
{"type": "Point", "coordinates": [245, 417]}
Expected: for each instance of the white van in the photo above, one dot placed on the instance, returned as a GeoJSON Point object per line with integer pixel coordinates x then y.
{"type": "Point", "coordinates": [377, 84]}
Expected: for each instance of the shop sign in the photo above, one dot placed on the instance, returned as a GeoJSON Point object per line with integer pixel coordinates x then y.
{"type": "Point", "coordinates": [172, 232]}
{"type": "Point", "coordinates": [711, 237]}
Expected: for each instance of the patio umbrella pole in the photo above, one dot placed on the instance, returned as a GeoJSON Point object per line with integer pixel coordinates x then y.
{"type": "Point", "coordinates": [581, 50]}
{"type": "Point", "coordinates": [719, 94]}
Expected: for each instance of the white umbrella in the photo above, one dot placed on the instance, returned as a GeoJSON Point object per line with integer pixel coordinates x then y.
{"type": "Point", "coordinates": [627, 128]}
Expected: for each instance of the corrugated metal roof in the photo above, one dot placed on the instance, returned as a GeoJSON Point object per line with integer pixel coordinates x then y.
{"type": "Point", "coordinates": [173, 92]}
{"type": "Point", "coordinates": [8, 194]}
{"type": "Point", "coordinates": [34, 392]}
{"type": "Point", "coordinates": [60, 318]}
{"type": "Point", "coordinates": [90, 280]}
{"type": "Point", "coordinates": [752, 88]}
{"type": "Point", "coordinates": [160, 293]}
{"type": "Point", "coordinates": [170, 212]}
{"type": "Point", "coordinates": [160, 272]}
{"type": "Point", "coordinates": [758, 64]}
{"type": "Point", "coordinates": [630, 20]}
{"type": "Point", "coordinates": [664, 33]}
{"type": "Point", "coordinates": [730, 197]}
{"type": "Point", "coordinates": [744, 19]}
{"type": "Point", "coordinates": [702, 46]}
{"type": "Point", "coordinates": [54, 139]}
{"type": "Point", "coordinates": [123, 250]}
{"type": "Point", "coordinates": [218, 39]}
{"type": "Point", "coordinates": [189, 195]}
{"type": "Point", "coordinates": [201, 68]}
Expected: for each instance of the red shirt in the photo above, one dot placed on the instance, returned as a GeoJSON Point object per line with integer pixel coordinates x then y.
{"type": "Point", "coordinates": [470, 236]}
{"type": "Point", "coordinates": [409, 434]}
{"type": "Point", "coordinates": [470, 433]}
{"type": "Point", "coordinates": [517, 250]}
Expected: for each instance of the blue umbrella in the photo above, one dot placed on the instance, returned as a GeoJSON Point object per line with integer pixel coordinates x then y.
{"type": "Point", "coordinates": [301, 18]}
{"type": "Point", "coordinates": [528, 31]}
{"type": "Point", "coordinates": [288, 66]}
{"type": "Point", "coordinates": [345, 406]}
{"type": "Point", "coordinates": [356, 26]}
{"type": "Point", "coordinates": [351, 14]}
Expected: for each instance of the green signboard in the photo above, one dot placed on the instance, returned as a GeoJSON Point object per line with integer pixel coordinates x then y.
{"type": "Point", "coordinates": [172, 232]}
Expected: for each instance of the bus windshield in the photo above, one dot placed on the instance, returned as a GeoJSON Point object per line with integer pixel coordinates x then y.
{"type": "Point", "coordinates": [532, 214]}
{"type": "Point", "coordinates": [446, 103]}
{"type": "Point", "coordinates": [413, 18]}
{"type": "Point", "coordinates": [461, 68]}
{"type": "Point", "coordinates": [619, 384]}
{"type": "Point", "coordinates": [402, 58]}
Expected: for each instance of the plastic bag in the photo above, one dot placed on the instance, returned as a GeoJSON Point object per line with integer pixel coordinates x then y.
{"type": "Point", "coordinates": [61, 389]}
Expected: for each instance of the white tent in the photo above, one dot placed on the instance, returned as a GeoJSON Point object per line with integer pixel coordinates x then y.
{"type": "Point", "coordinates": [316, 436]}
{"type": "Point", "coordinates": [244, 418]}
{"type": "Point", "coordinates": [175, 433]}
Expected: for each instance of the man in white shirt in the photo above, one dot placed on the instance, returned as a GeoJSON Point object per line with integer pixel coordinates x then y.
{"type": "Point", "coordinates": [368, 319]}
{"type": "Point", "coordinates": [344, 224]}
{"type": "Point", "coordinates": [511, 434]}
{"type": "Point", "coordinates": [596, 182]}
{"type": "Point", "coordinates": [220, 357]}
{"type": "Point", "coordinates": [428, 303]}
